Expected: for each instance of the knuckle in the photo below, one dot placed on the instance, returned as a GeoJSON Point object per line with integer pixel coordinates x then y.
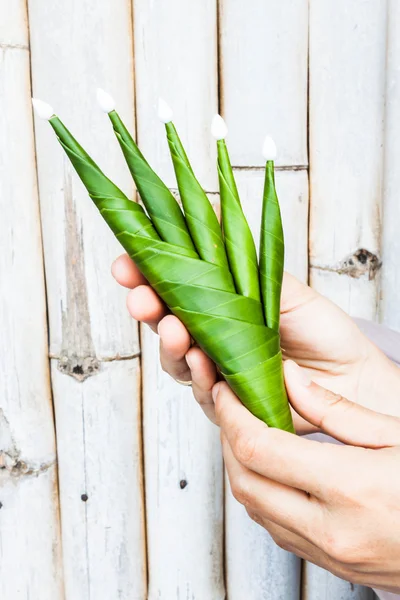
{"type": "Point", "coordinates": [241, 490]}
{"type": "Point", "coordinates": [333, 402]}
{"type": "Point", "coordinates": [343, 550]}
{"type": "Point", "coordinates": [244, 447]}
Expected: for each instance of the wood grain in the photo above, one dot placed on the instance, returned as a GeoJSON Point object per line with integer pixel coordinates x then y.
{"type": "Point", "coordinates": [175, 57]}
{"type": "Point", "coordinates": [30, 545]}
{"type": "Point", "coordinates": [93, 341]}
{"type": "Point", "coordinates": [347, 96]}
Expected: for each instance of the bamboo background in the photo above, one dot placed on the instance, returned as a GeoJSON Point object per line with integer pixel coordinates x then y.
{"type": "Point", "coordinates": [111, 480]}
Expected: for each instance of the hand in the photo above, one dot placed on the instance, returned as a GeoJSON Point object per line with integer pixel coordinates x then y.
{"type": "Point", "coordinates": [335, 506]}
{"type": "Point", "coordinates": [314, 332]}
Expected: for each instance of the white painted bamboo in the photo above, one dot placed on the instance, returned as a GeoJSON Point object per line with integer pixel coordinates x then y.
{"type": "Point", "coordinates": [98, 432]}
{"type": "Point", "coordinates": [318, 584]}
{"type": "Point", "coordinates": [390, 283]}
{"type": "Point", "coordinates": [263, 84]}
{"type": "Point", "coordinates": [257, 568]}
{"type": "Point", "coordinates": [175, 57]}
{"type": "Point", "coordinates": [347, 86]}
{"type": "Point", "coordinates": [264, 78]}
{"type": "Point", "coordinates": [30, 543]}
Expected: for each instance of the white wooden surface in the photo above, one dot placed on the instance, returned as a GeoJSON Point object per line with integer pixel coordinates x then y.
{"type": "Point", "coordinates": [184, 526]}
{"type": "Point", "coordinates": [347, 93]}
{"type": "Point", "coordinates": [30, 544]}
{"type": "Point", "coordinates": [263, 71]}
{"type": "Point", "coordinates": [390, 286]}
{"type": "Point", "coordinates": [274, 35]}
{"type": "Point", "coordinates": [97, 420]}
{"type": "Point", "coordinates": [253, 63]}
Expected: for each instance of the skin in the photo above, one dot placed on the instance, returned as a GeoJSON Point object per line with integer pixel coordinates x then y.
{"type": "Point", "coordinates": [336, 506]}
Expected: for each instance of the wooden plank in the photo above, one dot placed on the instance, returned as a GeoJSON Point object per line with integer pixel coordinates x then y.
{"type": "Point", "coordinates": [390, 282]}
{"type": "Point", "coordinates": [321, 585]}
{"type": "Point", "coordinates": [263, 70]}
{"type": "Point", "coordinates": [176, 58]}
{"type": "Point", "coordinates": [30, 547]}
{"type": "Point", "coordinates": [99, 450]}
{"type": "Point", "coordinates": [90, 330]}
{"type": "Point", "coordinates": [102, 57]}
{"type": "Point", "coordinates": [347, 87]}
{"type": "Point", "coordinates": [256, 567]}
{"type": "Point", "coordinates": [347, 93]}
{"type": "Point", "coordinates": [184, 493]}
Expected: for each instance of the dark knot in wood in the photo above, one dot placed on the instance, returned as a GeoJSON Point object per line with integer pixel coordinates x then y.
{"type": "Point", "coordinates": [362, 262]}
{"type": "Point", "coordinates": [78, 367]}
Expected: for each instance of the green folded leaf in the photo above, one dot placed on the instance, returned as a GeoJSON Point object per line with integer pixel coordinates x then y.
{"type": "Point", "coordinates": [272, 250]}
{"type": "Point", "coordinates": [228, 326]}
{"type": "Point", "coordinates": [200, 216]}
{"type": "Point", "coordinates": [160, 204]}
{"type": "Point", "coordinates": [239, 242]}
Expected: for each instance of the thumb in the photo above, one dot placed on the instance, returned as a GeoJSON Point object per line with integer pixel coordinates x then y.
{"type": "Point", "coordinates": [344, 420]}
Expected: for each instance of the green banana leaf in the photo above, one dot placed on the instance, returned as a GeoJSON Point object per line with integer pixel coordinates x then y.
{"type": "Point", "coordinates": [228, 326]}
{"type": "Point", "coordinates": [272, 251]}
{"type": "Point", "coordinates": [239, 242]}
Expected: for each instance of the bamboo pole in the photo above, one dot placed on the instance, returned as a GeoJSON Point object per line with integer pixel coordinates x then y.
{"type": "Point", "coordinates": [77, 46]}
{"type": "Point", "coordinates": [30, 545]}
{"type": "Point", "coordinates": [176, 58]}
{"type": "Point", "coordinates": [347, 92]}
{"type": "Point", "coordinates": [263, 90]}
{"type": "Point", "coordinates": [389, 305]}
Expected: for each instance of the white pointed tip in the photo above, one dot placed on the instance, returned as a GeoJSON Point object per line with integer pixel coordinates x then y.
{"type": "Point", "coordinates": [269, 149]}
{"type": "Point", "coordinates": [219, 129]}
{"type": "Point", "coordinates": [105, 101]}
{"type": "Point", "coordinates": [165, 113]}
{"type": "Point", "coordinates": [43, 110]}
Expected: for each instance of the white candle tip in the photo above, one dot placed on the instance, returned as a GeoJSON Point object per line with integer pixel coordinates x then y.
{"type": "Point", "coordinates": [269, 149]}
{"type": "Point", "coordinates": [219, 129]}
{"type": "Point", "coordinates": [106, 102]}
{"type": "Point", "coordinates": [43, 110]}
{"type": "Point", "coordinates": [165, 113]}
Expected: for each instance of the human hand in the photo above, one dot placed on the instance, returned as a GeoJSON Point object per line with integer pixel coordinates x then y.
{"type": "Point", "coordinates": [314, 332]}
{"type": "Point", "coordinates": [335, 506]}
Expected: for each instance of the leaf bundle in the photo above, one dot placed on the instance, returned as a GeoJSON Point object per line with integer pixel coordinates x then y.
{"type": "Point", "coordinates": [206, 274]}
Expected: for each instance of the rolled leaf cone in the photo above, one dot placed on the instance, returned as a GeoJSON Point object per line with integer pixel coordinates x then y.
{"type": "Point", "coordinates": [228, 326]}
{"type": "Point", "coordinates": [272, 250]}
{"type": "Point", "coordinates": [239, 242]}
{"type": "Point", "coordinates": [200, 216]}
{"type": "Point", "coordinates": [160, 204]}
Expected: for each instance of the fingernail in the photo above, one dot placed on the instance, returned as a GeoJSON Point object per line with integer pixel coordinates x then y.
{"type": "Point", "coordinates": [215, 392]}
{"type": "Point", "coordinates": [298, 374]}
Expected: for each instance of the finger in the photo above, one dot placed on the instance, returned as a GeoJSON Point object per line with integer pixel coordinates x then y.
{"type": "Point", "coordinates": [174, 344]}
{"type": "Point", "coordinates": [337, 416]}
{"type": "Point", "coordinates": [295, 294]}
{"type": "Point", "coordinates": [297, 462]}
{"type": "Point", "coordinates": [144, 305]}
{"type": "Point", "coordinates": [302, 427]}
{"type": "Point", "coordinates": [288, 507]}
{"type": "Point", "coordinates": [204, 375]}
{"type": "Point", "coordinates": [126, 272]}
